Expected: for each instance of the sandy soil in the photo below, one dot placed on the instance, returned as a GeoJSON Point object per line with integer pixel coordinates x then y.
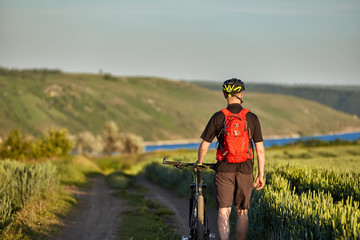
{"type": "Point", "coordinates": [97, 216]}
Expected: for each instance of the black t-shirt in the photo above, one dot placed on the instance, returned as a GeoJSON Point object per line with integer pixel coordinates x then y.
{"type": "Point", "coordinates": [214, 129]}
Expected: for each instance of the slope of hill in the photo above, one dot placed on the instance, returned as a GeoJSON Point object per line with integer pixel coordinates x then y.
{"type": "Point", "coordinates": [156, 109]}
{"type": "Point", "coordinates": [343, 98]}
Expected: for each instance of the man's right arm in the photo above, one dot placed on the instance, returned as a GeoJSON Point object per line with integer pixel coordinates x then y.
{"type": "Point", "coordinates": [203, 148]}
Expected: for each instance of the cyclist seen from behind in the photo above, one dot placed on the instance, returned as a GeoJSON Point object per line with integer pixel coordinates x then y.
{"type": "Point", "coordinates": [237, 130]}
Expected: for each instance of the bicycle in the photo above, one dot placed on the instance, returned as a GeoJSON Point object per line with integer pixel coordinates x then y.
{"type": "Point", "coordinates": [198, 222]}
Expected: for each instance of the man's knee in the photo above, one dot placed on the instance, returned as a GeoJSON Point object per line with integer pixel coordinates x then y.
{"type": "Point", "coordinates": [241, 212]}
{"type": "Point", "coordinates": [224, 213]}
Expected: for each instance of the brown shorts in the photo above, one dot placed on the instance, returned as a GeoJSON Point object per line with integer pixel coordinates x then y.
{"type": "Point", "coordinates": [233, 187]}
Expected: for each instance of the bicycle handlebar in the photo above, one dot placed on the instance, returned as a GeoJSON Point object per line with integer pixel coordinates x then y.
{"type": "Point", "coordinates": [182, 165]}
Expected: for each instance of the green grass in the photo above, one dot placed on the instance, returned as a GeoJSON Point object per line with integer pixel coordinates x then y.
{"type": "Point", "coordinates": [76, 170]}
{"type": "Point", "coordinates": [154, 108]}
{"type": "Point", "coordinates": [339, 158]}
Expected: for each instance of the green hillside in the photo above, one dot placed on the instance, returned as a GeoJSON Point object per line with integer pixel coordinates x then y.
{"type": "Point", "coordinates": [156, 109]}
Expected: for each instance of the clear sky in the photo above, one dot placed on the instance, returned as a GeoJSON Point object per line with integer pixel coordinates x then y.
{"type": "Point", "coordinates": [288, 41]}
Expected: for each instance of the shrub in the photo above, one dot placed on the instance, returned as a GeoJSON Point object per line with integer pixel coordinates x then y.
{"type": "Point", "coordinates": [56, 143]}
{"type": "Point", "coordinates": [133, 144]}
{"type": "Point", "coordinates": [15, 146]}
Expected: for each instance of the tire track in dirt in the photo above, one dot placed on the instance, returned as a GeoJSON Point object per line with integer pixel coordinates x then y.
{"type": "Point", "coordinates": [179, 205]}
{"type": "Point", "coordinates": [97, 214]}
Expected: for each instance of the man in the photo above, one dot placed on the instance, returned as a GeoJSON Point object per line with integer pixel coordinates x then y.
{"type": "Point", "coordinates": [234, 181]}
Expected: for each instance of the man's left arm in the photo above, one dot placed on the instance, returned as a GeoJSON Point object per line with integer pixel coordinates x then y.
{"type": "Point", "coordinates": [260, 152]}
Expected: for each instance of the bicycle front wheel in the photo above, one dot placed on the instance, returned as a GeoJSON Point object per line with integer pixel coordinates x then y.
{"type": "Point", "coordinates": [200, 230]}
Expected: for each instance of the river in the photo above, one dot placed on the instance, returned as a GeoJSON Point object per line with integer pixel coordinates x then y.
{"type": "Point", "coordinates": [267, 142]}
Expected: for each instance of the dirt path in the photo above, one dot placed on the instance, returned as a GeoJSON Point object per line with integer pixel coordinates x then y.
{"type": "Point", "coordinates": [98, 212]}
{"type": "Point", "coordinates": [97, 216]}
{"type": "Point", "coordinates": [177, 204]}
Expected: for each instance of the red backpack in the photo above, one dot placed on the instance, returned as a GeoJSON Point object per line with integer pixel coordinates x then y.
{"type": "Point", "coordinates": [237, 140]}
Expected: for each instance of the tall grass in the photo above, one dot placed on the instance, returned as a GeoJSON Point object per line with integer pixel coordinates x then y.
{"type": "Point", "coordinates": [280, 213]}
{"type": "Point", "coordinates": [6, 210]}
{"type": "Point", "coordinates": [21, 183]}
{"type": "Point", "coordinates": [341, 185]}
{"type": "Point", "coordinates": [31, 198]}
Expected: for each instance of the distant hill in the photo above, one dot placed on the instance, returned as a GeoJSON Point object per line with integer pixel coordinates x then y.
{"type": "Point", "coordinates": [156, 109]}
{"type": "Point", "coordinates": [343, 98]}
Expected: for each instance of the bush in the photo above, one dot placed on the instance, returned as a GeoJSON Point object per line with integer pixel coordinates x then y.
{"type": "Point", "coordinates": [54, 143]}
{"type": "Point", "coordinates": [15, 146]}
{"type": "Point", "coordinates": [133, 144]}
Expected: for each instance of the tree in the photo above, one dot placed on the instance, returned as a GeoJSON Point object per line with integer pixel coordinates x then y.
{"type": "Point", "coordinates": [86, 143]}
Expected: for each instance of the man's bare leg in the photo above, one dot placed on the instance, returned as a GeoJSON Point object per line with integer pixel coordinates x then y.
{"type": "Point", "coordinates": [223, 223]}
{"type": "Point", "coordinates": [242, 224]}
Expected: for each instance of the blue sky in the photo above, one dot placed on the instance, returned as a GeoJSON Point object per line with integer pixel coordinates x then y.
{"type": "Point", "coordinates": [288, 42]}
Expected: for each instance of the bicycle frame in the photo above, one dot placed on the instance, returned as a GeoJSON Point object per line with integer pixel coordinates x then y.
{"type": "Point", "coordinates": [198, 222]}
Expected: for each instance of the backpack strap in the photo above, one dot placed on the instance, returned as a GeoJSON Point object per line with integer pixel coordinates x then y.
{"type": "Point", "coordinates": [242, 113]}
{"type": "Point", "coordinates": [226, 112]}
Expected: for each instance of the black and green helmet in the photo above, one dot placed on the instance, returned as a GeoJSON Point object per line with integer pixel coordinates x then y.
{"type": "Point", "coordinates": [233, 86]}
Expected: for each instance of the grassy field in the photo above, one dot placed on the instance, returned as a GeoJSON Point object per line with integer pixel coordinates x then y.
{"type": "Point", "coordinates": [154, 108]}
{"type": "Point", "coordinates": [311, 193]}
